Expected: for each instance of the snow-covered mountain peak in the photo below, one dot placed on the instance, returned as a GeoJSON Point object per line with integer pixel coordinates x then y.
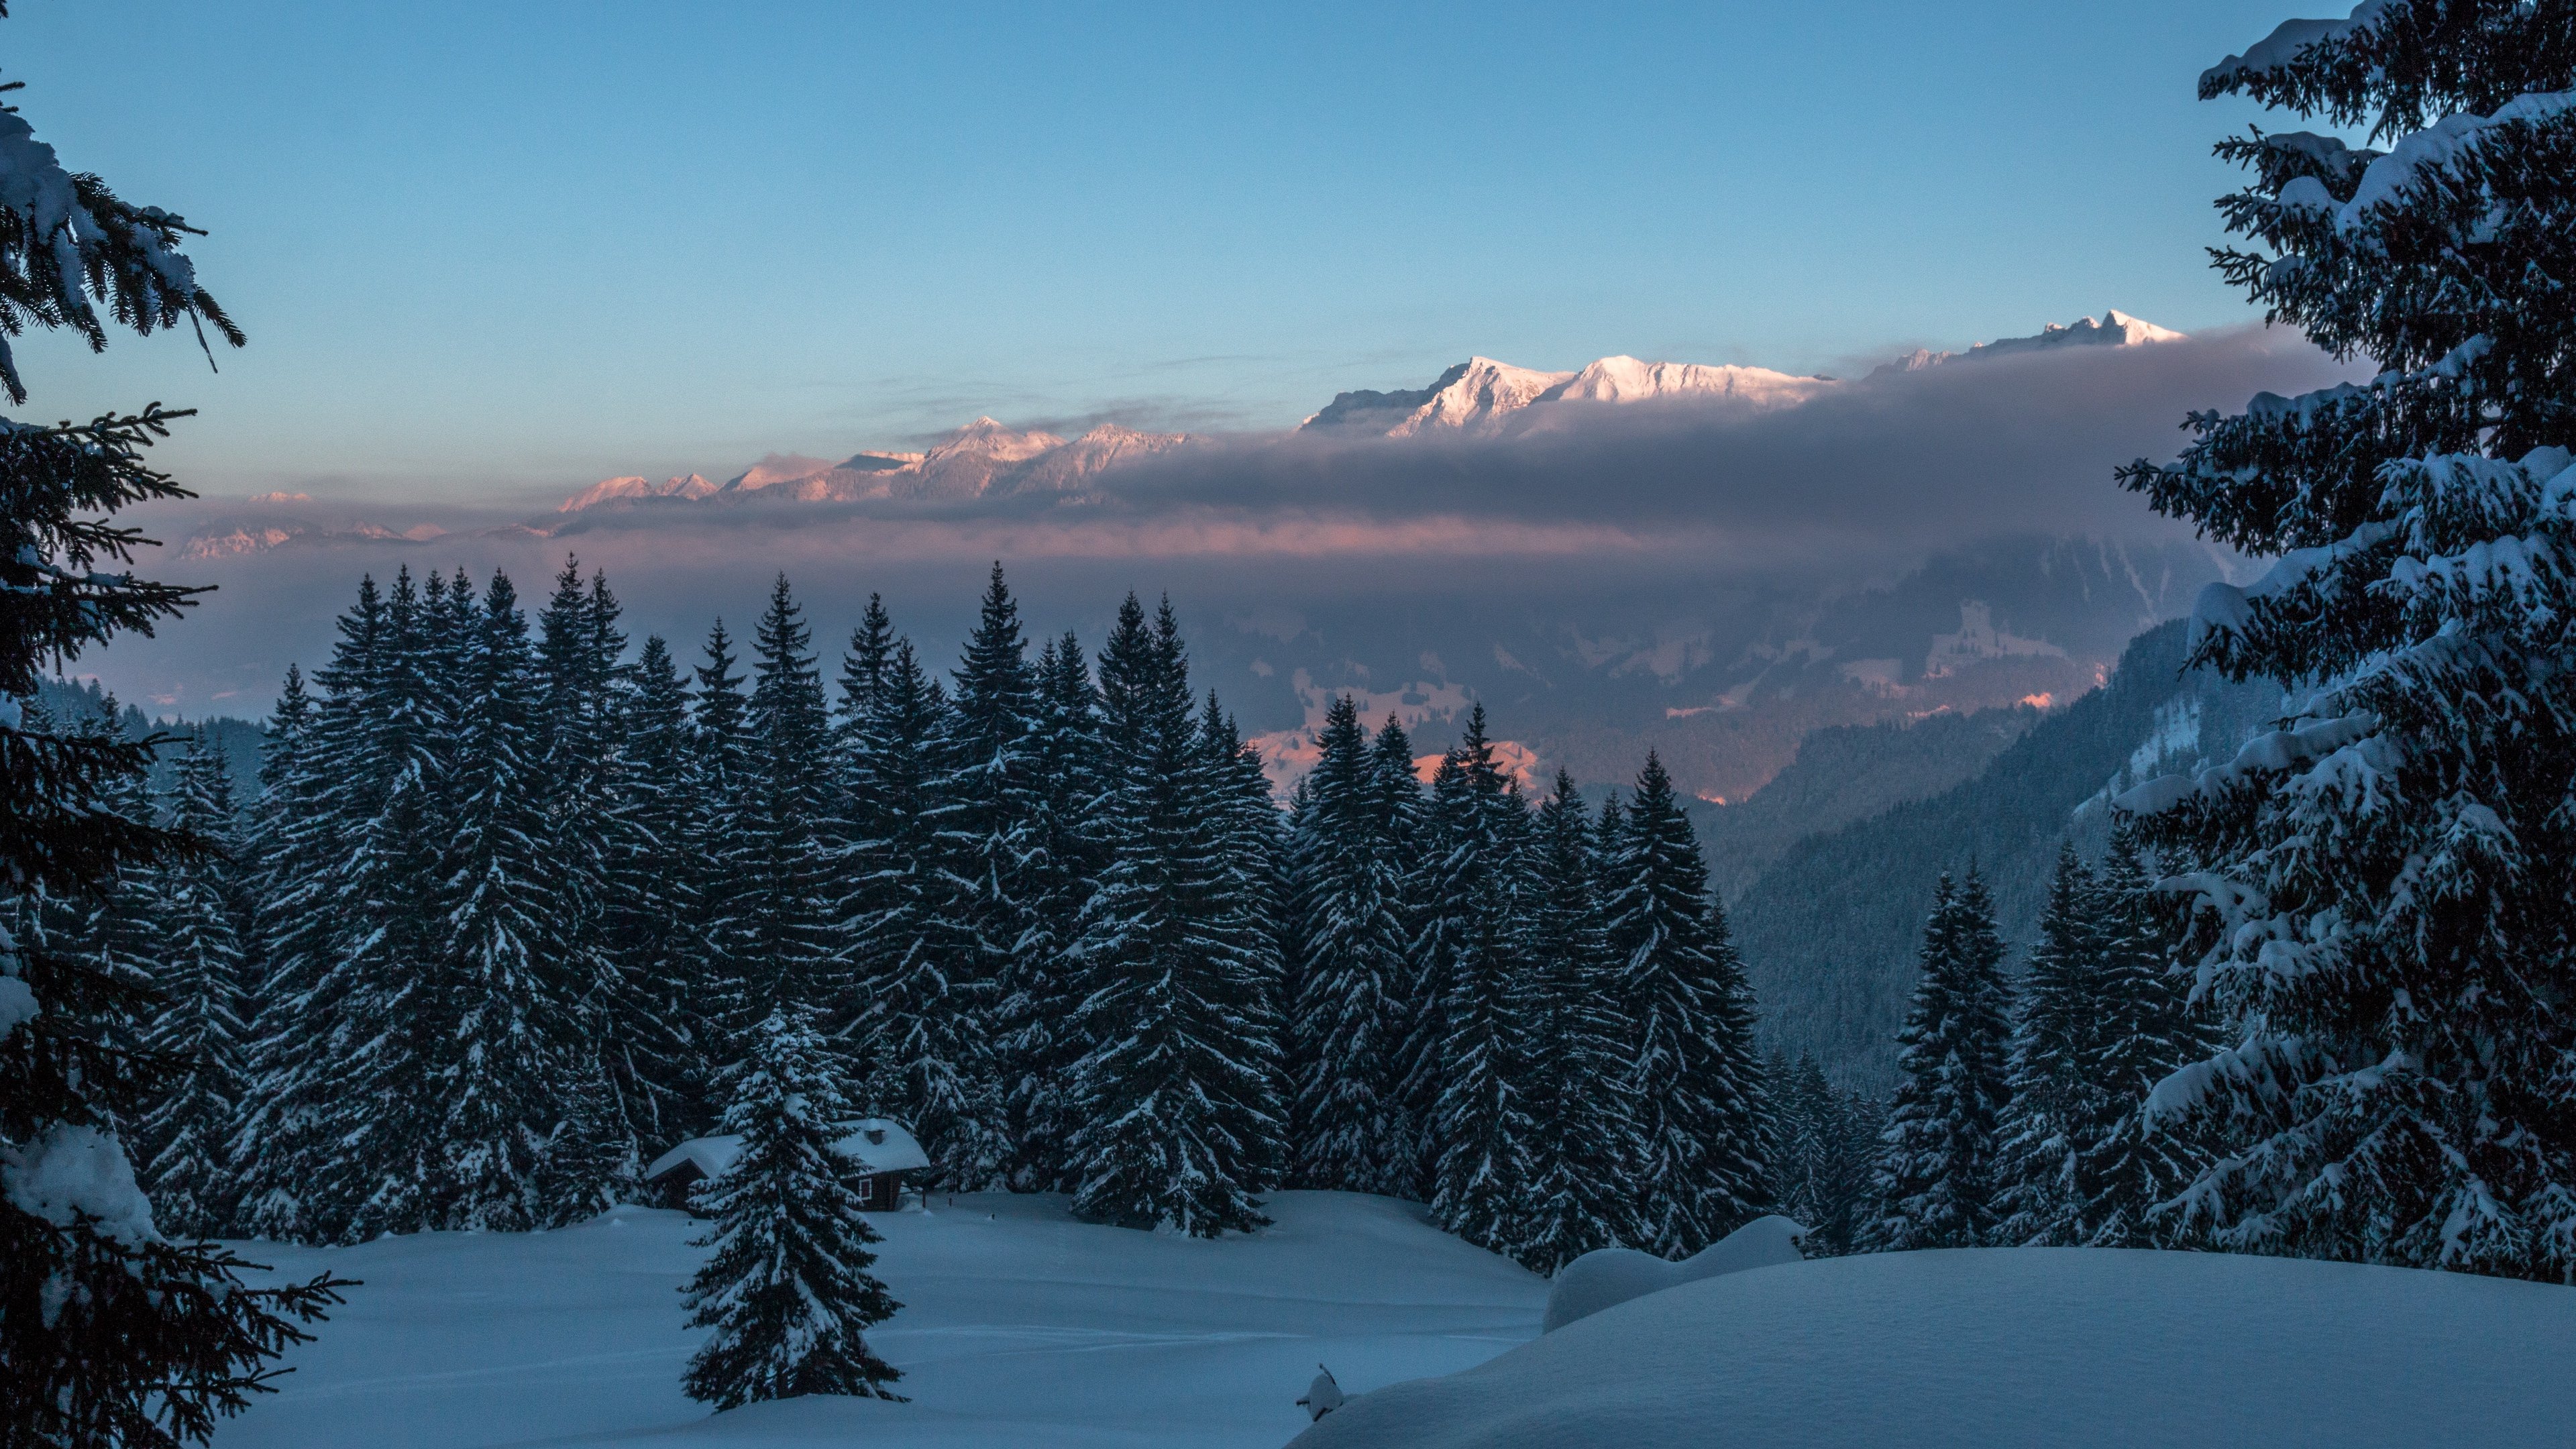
{"type": "Point", "coordinates": [2114, 329]}
{"type": "Point", "coordinates": [1624, 379]}
{"type": "Point", "coordinates": [1476, 394]}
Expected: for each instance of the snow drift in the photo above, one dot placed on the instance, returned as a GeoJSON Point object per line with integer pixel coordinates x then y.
{"type": "Point", "coordinates": [1608, 1277]}
{"type": "Point", "coordinates": [2020, 1346]}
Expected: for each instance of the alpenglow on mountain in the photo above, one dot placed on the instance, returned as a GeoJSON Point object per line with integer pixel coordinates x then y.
{"type": "Point", "coordinates": [1476, 398]}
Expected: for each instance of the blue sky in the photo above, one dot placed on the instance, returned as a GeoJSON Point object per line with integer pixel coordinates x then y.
{"type": "Point", "coordinates": [495, 251]}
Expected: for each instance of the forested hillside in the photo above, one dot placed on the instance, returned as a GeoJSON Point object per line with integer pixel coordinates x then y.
{"type": "Point", "coordinates": [1847, 773]}
{"type": "Point", "coordinates": [1829, 932]}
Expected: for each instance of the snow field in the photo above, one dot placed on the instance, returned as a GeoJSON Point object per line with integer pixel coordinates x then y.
{"type": "Point", "coordinates": [1998, 1348]}
{"type": "Point", "coordinates": [1021, 1328]}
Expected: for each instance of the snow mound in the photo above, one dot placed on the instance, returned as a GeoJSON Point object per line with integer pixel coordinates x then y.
{"type": "Point", "coordinates": [1999, 1346]}
{"type": "Point", "coordinates": [1608, 1277]}
{"type": "Point", "coordinates": [72, 1173]}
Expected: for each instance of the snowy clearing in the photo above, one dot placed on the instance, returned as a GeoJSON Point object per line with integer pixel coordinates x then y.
{"type": "Point", "coordinates": [1020, 1329]}
{"type": "Point", "coordinates": [2022, 1346]}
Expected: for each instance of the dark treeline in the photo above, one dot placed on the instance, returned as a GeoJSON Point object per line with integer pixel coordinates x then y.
{"type": "Point", "coordinates": [509, 899]}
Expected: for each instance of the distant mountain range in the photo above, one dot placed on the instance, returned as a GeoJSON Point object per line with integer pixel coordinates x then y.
{"type": "Point", "coordinates": [1478, 398]}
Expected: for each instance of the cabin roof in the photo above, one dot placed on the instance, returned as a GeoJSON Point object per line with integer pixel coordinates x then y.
{"type": "Point", "coordinates": [878, 1144]}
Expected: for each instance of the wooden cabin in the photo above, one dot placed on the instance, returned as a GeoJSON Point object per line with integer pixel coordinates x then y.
{"type": "Point", "coordinates": [883, 1149]}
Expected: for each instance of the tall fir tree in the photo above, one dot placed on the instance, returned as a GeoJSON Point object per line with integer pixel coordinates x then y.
{"type": "Point", "coordinates": [1828, 1150]}
{"type": "Point", "coordinates": [2144, 1030]}
{"type": "Point", "coordinates": [728, 973]}
{"type": "Point", "coordinates": [1173, 1101]}
{"type": "Point", "coordinates": [512, 956]}
{"type": "Point", "coordinates": [988, 791]}
{"type": "Point", "coordinates": [786, 1286]}
{"type": "Point", "coordinates": [1702, 1115]}
{"type": "Point", "coordinates": [110, 1333]}
{"type": "Point", "coordinates": [2056, 1098]}
{"type": "Point", "coordinates": [1481, 891]}
{"type": "Point", "coordinates": [1034, 1042]}
{"type": "Point", "coordinates": [1412, 1027]}
{"type": "Point", "coordinates": [1349, 1015]}
{"type": "Point", "coordinates": [785, 924]}
{"type": "Point", "coordinates": [1936, 1174]}
{"type": "Point", "coordinates": [656, 1023]}
{"type": "Point", "coordinates": [1583, 1102]}
{"type": "Point", "coordinates": [2378, 896]}
{"type": "Point", "coordinates": [921, 1029]}
{"type": "Point", "coordinates": [183, 1143]}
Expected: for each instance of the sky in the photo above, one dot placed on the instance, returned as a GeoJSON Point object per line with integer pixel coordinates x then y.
{"type": "Point", "coordinates": [488, 253]}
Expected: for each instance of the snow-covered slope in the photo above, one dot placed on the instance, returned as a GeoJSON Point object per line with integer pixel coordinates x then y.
{"type": "Point", "coordinates": [2022, 1346]}
{"type": "Point", "coordinates": [2115, 328]}
{"type": "Point", "coordinates": [1021, 1329]}
{"type": "Point", "coordinates": [687, 490]}
{"type": "Point", "coordinates": [982, 459]}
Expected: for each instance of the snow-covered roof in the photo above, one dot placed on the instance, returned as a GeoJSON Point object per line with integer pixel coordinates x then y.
{"type": "Point", "coordinates": [883, 1144]}
{"type": "Point", "coordinates": [714, 1156]}
{"type": "Point", "coordinates": [880, 1144]}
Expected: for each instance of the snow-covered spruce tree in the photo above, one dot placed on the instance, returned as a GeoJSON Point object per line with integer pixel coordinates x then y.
{"type": "Point", "coordinates": [510, 954]}
{"type": "Point", "coordinates": [1033, 1036]}
{"type": "Point", "coordinates": [1412, 1026]}
{"type": "Point", "coordinates": [1936, 1172]}
{"type": "Point", "coordinates": [282, 857]}
{"type": "Point", "coordinates": [786, 922]}
{"type": "Point", "coordinates": [110, 1334]}
{"type": "Point", "coordinates": [379, 1058]}
{"type": "Point", "coordinates": [2144, 1030]}
{"type": "Point", "coordinates": [1583, 1108]}
{"type": "Point", "coordinates": [595, 1153]}
{"type": "Point", "coordinates": [1829, 1145]}
{"type": "Point", "coordinates": [733, 1001]}
{"type": "Point", "coordinates": [1174, 1100]}
{"type": "Point", "coordinates": [989, 792]}
{"type": "Point", "coordinates": [1252, 852]}
{"type": "Point", "coordinates": [924, 998]}
{"type": "Point", "coordinates": [786, 1287]}
{"type": "Point", "coordinates": [2057, 1101]}
{"type": "Point", "coordinates": [1481, 892]}
{"type": "Point", "coordinates": [1701, 1118]}
{"type": "Point", "coordinates": [2382, 905]}
{"type": "Point", "coordinates": [1346, 1024]}
{"type": "Point", "coordinates": [655, 1028]}
{"type": "Point", "coordinates": [184, 1141]}
{"type": "Point", "coordinates": [321, 784]}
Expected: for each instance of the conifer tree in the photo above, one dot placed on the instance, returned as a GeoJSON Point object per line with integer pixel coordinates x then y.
{"type": "Point", "coordinates": [2379, 897]}
{"type": "Point", "coordinates": [786, 1287]}
{"type": "Point", "coordinates": [1402, 819]}
{"type": "Point", "coordinates": [785, 920]}
{"type": "Point", "coordinates": [1481, 892]}
{"type": "Point", "coordinates": [1701, 1116]}
{"type": "Point", "coordinates": [110, 1333]}
{"type": "Point", "coordinates": [1828, 1148]}
{"type": "Point", "coordinates": [1174, 1099]}
{"type": "Point", "coordinates": [734, 999]}
{"type": "Point", "coordinates": [2057, 1100]}
{"type": "Point", "coordinates": [2144, 1029]}
{"type": "Point", "coordinates": [1936, 1176]}
{"type": "Point", "coordinates": [511, 953]}
{"type": "Point", "coordinates": [183, 1142]}
{"type": "Point", "coordinates": [988, 792]}
{"type": "Point", "coordinates": [1583, 1103]}
{"type": "Point", "coordinates": [1348, 1022]}
{"type": "Point", "coordinates": [1034, 1041]}
{"type": "Point", "coordinates": [921, 1028]}
{"type": "Point", "coordinates": [658, 1021]}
